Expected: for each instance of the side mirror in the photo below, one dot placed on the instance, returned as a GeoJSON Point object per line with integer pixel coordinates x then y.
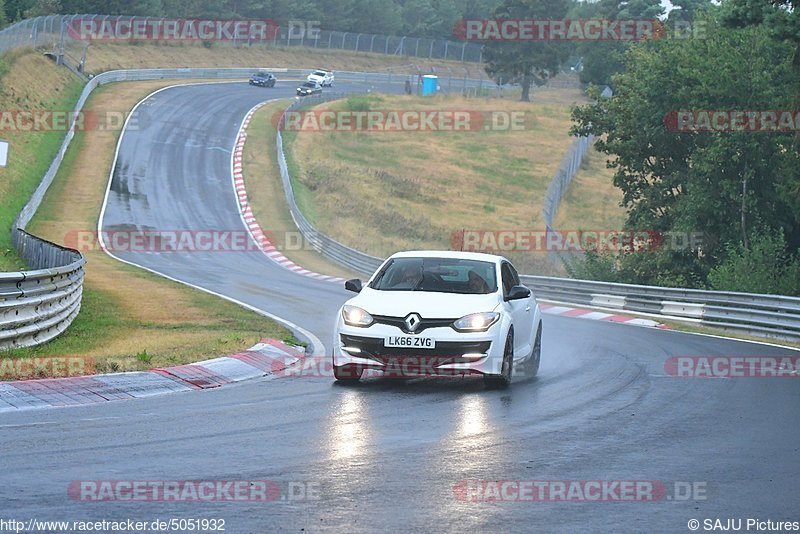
{"type": "Point", "coordinates": [518, 293]}
{"type": "Point", "coordinates": [353, 285]}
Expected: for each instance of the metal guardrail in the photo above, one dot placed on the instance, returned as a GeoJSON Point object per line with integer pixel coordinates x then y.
{"type": "Point", "coordinates": [53, 31]}
{"type": "Point", "coordinates": [770, 315]}
{"type": "Point", "coordinates": [38, 305]}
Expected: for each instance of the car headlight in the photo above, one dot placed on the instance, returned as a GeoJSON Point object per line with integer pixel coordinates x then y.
{"type": "Point", "coordinates": [355, 316]}
{"type": "Point", "coordinates": [476, 322]}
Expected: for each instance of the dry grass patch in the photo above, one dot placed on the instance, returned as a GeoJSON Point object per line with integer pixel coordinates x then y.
{"type": "Point", "coordinates": [591, 202]}
{"type": "Point", "coordinates": [383, 192]}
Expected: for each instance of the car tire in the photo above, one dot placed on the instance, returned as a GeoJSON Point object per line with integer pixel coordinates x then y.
{"type": "Point", "coordinates": [347, 374]}
{"type": "Point", "coordinates": [532, 366]}
{"type": "Point", "coordinates": [502, 380]}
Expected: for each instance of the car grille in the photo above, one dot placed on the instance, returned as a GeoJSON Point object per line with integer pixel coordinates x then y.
{"type": "Point", "coordinates": [399, 322]}
{"type": "Point", "coordinates": [444, 353]}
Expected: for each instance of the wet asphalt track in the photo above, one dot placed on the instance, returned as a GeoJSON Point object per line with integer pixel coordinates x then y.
{"type": "Point", "coordinates": [385, 454]}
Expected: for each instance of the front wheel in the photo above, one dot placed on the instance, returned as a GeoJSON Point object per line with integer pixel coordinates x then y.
{"type": "Point", "coordinates": [347, 374]}
{"type": "Point", "coordinates": [502, 380]}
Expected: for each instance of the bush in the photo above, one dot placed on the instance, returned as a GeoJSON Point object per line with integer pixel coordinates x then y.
{"type": "Point", "coordinates": [361, 102]}
{"type": "Point", "coordinates": [765, 267]}
{"type": "Point", "coordinates": [602, 267]}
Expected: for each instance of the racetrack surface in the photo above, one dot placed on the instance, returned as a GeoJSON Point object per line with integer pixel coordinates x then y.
{"type": "Point", "coordinates": [386, 454]}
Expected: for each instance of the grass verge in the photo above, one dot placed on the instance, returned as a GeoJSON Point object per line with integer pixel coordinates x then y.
{"type": "Point", "coordinates": [266, 195]}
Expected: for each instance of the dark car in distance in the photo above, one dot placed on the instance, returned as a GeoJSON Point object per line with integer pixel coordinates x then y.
{"type": "Point", "coordinates": [263, 79]}
{"type": "Point", "coordinates": [309, 88]}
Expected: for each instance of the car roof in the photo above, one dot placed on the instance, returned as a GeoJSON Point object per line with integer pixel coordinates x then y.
{"type": "Point", "coordinates": [478, 256]}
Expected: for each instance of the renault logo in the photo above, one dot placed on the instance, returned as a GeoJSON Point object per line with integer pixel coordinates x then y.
{"type": "Point", "coordinates": [412, 322]}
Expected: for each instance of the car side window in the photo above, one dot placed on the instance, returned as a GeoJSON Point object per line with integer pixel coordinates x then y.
{"type": "Point", "coordinates": [508, 278]}
{"type": "Point", "coordinates": [514, 275]}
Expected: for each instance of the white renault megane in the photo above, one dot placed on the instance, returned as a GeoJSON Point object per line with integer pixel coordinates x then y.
{"type": "Point", "coordinates": [439, 313]}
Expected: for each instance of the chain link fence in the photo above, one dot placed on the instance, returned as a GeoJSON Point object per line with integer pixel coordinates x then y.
{"type": "Point", "coordinates": [54, 32]}
{"type": "Point", "coordinates": [569, 166]}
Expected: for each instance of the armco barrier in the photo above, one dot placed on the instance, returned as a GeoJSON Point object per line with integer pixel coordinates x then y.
{"type": "Point", "coordinates": [772, 315]}
{"type": "Point", "coordinates": [38, 305]}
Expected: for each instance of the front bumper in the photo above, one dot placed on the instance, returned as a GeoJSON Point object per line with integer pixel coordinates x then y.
{"type": "Point", "coordinates": [455, 353]}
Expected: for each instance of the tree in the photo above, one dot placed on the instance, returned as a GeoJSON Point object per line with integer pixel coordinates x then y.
{"type": "Point", "coordinates": [781, 19]}
{"type": "Point", "coordinates": [15, 9]}
{"type": "Point", "coordinates": [765, 267]}
{"type": "Point", "coordinates": [686, 10]}
{"type": "Point", "coordinates": [724, 184]}
{"type": "Point", "coordinates": [526, 62]}
{"type": "Point", "coordinates": [603, 59]}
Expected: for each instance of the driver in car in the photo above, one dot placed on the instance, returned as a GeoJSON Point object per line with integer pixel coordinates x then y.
{"type": "Point", "coordinates": [476, 283]}
{"type": "Point", "coordinates": [410, 277]}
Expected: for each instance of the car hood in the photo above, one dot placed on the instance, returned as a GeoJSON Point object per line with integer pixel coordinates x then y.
{"type": "Point", "coordinates": [428, 304]}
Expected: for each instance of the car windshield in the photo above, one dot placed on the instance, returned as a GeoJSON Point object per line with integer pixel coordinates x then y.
{"type": "Point", "coordinates": [441, 275]}
{"type": "Point", "coordinates": [262, 75]}
{"type": "Point", "coordinates": [319, 73]}
{"type": "Point", "coordinates": [309, 84]}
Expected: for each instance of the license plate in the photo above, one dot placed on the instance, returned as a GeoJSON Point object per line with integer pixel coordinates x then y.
{"type": "Point", "coordinates": [410, 342]}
